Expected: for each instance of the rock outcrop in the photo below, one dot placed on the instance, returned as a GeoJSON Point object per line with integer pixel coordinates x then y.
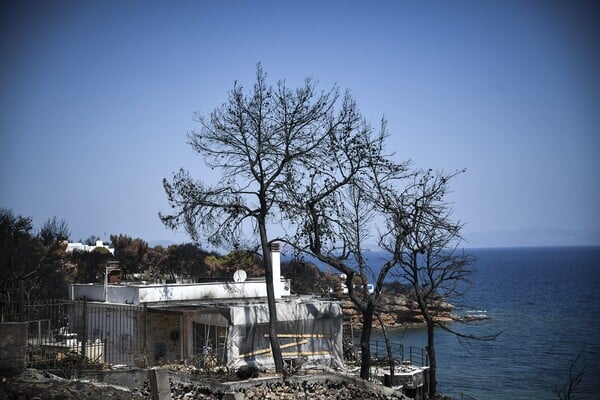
{"type": "Point", "coordinates": [399, 310]}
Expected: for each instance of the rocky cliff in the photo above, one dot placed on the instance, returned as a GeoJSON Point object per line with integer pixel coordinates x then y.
{"type": "Point", "coordinates": [398, 310]}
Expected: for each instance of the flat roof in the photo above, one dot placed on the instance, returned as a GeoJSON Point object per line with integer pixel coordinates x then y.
{"type": "Point", "coordinates": [223, 304]}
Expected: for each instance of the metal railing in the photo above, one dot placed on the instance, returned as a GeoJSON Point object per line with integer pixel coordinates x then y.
{"type": "Point", "coordinates": [63, 334]}
{"type": "Point", "coordinates": [113, 334]}
{"type": "Point", "coordinates": [416, 355]}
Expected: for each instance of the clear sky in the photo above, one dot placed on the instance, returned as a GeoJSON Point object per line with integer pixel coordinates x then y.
{"type": "Point", "coordinates": [97, 99]}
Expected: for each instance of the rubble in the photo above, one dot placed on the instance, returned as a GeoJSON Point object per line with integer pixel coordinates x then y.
{"type": "Point", "coordinates": [38, 385]}
{"type": "Point", "coordinates": [292, 389]}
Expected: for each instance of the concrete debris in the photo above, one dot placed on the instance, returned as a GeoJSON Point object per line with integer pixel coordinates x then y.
{"type": "Point", "coordinates": [290, 390]}
{"type": "Point", "coordinates": [38, 385]}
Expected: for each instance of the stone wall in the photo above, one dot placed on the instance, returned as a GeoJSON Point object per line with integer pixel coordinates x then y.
{"type": "Point", "coordinates": [164, 341]}
{"type": "Point", "coordinates": [13, 347]}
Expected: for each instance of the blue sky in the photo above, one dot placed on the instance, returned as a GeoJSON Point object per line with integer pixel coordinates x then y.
{"type": "Point", "coordinates": [97, 99]}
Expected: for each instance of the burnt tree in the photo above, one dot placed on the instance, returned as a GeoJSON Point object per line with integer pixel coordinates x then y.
{"type": "Point", "coordinates": [425, 240]}
{"type": "Point", "coordinates": [259, 141]}
{"type": "Point", "coordinates": [337, 215]}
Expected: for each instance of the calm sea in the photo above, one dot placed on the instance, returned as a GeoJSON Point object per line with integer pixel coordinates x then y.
{"type": "Point", "coordinates": [545, 302]}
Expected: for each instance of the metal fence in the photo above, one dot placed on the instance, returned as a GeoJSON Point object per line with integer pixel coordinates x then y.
{"type": "Point", "coordinates": [416, 355]}
{"type": "Point", "coordinates": [63, 332]}
{"type": "Point", "coordinates": [113, 334]}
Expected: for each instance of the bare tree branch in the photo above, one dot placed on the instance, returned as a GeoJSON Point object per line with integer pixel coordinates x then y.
{"type": "Point", "coordinates": [265, 143]}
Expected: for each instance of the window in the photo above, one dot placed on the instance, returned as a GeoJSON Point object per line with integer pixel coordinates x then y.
{"type": "Point", "coordinates": [210, 339]}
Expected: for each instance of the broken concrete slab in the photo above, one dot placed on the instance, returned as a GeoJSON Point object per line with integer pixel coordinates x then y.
{"type": "Point", "coordinates": [160, 388]}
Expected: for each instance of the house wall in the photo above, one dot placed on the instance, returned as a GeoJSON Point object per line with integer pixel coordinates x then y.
{"type": "Point", "coordinates": [164, 337]}
{"type": "Point", "coordinates": [201, 291]}
{"type": "Point", "coordinates": [84, 247]}
{"type": "Point", "coordinates": [309, 327]}
{"type": "Point", "coordinates": [123, 294]}
{"type": "Point", "coordinates": [93, 292]}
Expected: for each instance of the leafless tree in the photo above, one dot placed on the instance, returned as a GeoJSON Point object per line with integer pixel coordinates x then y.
{"type": "Point", "coordinates": [336, 216]}
{"type": "Point", "coordinates": [262, 143]}
{"type": "Point", "coordinates": [425, 241]}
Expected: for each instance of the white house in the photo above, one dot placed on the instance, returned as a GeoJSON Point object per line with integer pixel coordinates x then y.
{"type": "Point", "coordinates": [228, 319]}
{"type": "Point", "coordinates": [77, 246]}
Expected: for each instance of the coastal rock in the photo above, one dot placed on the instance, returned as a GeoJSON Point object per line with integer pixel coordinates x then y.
{"type": "Point", "coordinates": [399, 310]}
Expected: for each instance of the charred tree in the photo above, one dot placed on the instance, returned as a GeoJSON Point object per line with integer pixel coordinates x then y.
{"type": "Point", "coordinates": [259, 142]}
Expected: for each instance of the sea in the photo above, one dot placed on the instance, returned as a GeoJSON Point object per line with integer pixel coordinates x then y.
{"type": "Point", "coordinates": [545, 305]}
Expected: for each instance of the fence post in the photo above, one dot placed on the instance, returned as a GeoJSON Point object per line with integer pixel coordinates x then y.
{"type": "Point", "coordinates": [84, 333]}
{"type": "Point", "coordinates": [401, 350]}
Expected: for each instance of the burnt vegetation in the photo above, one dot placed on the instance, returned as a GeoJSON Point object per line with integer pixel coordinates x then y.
{"type": "Point", "coordinates": [37, 261]}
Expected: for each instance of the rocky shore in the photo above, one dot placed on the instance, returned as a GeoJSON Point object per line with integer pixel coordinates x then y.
{"type": "Point", "coordinates": [399, 311]}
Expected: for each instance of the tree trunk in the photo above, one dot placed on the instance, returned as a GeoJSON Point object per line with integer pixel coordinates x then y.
{"type": "Point", "coordinates": [432, 360]}
{"type": "Point", "coordinates": [365, 342]}
{"type": "Point", "coordinates": [430, 340]}
{"type": "Point", "coordinates": [277, 356]}
{"type": "Point", "coordinates": [388, 347]}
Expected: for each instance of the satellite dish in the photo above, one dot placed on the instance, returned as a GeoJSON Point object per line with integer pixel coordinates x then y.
{"type": "Point", "coordinates": [239, 276]}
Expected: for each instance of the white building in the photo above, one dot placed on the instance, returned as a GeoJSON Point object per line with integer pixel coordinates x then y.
{"type": "Point", "coordinates": [228, 318]}
{"type": "Point", "coordinates": [77, 246]}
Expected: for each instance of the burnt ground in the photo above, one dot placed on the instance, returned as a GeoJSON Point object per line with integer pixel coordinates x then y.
{"type": "Point", "coordinates": [40, 385]}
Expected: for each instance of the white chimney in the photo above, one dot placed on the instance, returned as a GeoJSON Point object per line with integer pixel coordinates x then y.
{"type": "Point", "coordinates": [276, 265]}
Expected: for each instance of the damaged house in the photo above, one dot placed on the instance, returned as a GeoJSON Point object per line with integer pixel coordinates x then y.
{"type": "Point", "coordinates": [140, 323]}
